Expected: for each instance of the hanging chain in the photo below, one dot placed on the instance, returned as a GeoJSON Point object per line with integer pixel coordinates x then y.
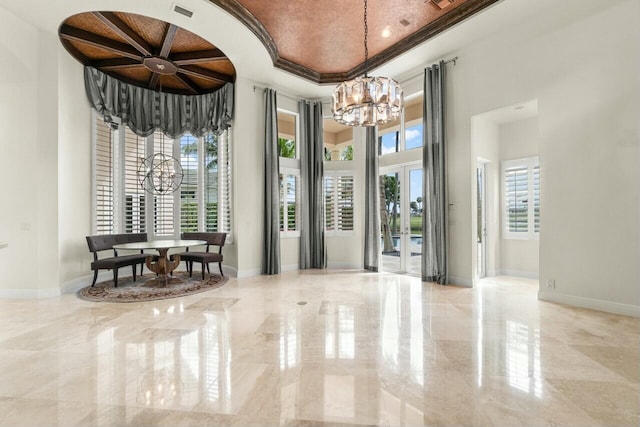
{"type": "Point", "coordinates": [366, 33]}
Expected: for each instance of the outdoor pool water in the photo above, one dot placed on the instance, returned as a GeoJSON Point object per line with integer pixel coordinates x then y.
{"type": "Point", "coordinates": [416, 240]}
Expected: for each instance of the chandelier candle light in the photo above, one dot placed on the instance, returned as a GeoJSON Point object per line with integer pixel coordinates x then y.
{"type": "Point", "coordinates": [367, 101]}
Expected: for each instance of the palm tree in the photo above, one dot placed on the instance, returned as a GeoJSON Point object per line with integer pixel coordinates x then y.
{"type": "Point", "coordinates": [286, 148]}
{"type": "Point", "coordinates": [210, 150]}
{"type": "Point", "coordinates": [347, 154]}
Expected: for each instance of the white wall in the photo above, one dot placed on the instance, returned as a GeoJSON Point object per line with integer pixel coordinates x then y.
{"type": "Point", "coordinates": [248, 202]}
{"type": "Point", "coordinates": [74, 172]}
{"type": "Point", "coordinates": [519, 139]}
{"type": "Point", "coordinates": [585, 76]}
{"type": "Point", "coordinates": [28, 217]}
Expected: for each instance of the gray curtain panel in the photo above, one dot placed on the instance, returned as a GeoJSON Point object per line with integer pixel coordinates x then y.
{"type": "Point", "coordinates": [271, 249]}
{"type": "Point", "coordinates": [144, 110]}
{"type": "Point", "coordinates": [371, 202]}
{"type": "Point", "coordinates": [435, 220]}
{"type": "Point", "coordinates": [313, 253]}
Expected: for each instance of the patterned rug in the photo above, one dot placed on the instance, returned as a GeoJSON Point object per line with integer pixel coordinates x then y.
{"type": "Point", "coordinates": [146, 289]}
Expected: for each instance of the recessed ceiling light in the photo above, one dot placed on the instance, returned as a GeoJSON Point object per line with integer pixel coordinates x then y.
{"type": "Point", "coordinates": [386, 32]}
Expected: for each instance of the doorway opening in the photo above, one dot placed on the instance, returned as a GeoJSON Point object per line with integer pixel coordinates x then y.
{"type": "Point", "coordinates": [505, 200]}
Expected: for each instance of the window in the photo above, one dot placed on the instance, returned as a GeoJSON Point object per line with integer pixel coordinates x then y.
{"type": "Point", "coordinates": [392, 139]}
{"type": "Point", "coordinates": [135, 196]}
{"type": "Point", "coordinates": [189, 147]}
{"type": "Point", "coordinates": [103, 177]}
{"type": "Point", "coordinates": [521, 206]}
{"type": "Point", "coordinates": [289, 173]}
{"type": "Point", "coordinates": [121, 204]}
{"type": "Point", "coordinates": [338, 193]}
{"type": "Point", "coordinates": [338, 141]}
{"type": "Point", "coordinates": [289, 196]}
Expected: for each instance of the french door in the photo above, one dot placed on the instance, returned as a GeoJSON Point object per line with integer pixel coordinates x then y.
{"type": "Point", "coordinates": [401, 203]}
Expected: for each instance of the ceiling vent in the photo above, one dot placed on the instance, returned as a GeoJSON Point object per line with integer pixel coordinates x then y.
{"type": "Point", "coordinates": [181, 10]}
{"type": "Point", "coordinates": [441, 4]}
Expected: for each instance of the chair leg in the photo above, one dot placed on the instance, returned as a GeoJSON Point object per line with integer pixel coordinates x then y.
{"type": "Point", "coordinates": [203, 267]}
{"type": "Point", "coordinates": [115, 277]}
{"type": "Point", "coordinates": [95, 277]}
{"type": "Point", "coordinates": [134, 267]}
{"type": "Point", "coordinates": [220, 267]}
{"type": "Point", "coordinates": [208, 271]}
{"type": "Point", "coordinates": [190, 268]}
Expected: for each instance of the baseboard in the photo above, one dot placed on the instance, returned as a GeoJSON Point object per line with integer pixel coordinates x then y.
{"type": "Point", "coordinates": [248, 273]}
{"type": "Point", "coordinates": [18, 293]}
{"type": "Point", "coordinates": [461, 281]}
{"type": "Point", "coordinates": [590, 303]}
{"type": "Point", "coordinates": [29, 293]}
{"type": "Point", "coordinates": [290, 267]}
{"type": "Point", "coordinates": [344, 266]}
{"type": "Point", "coordinates": [517, 273]}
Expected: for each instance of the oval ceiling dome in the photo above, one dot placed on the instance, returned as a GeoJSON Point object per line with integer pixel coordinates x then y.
{"type": "Point", "coordinates": [146, 52]}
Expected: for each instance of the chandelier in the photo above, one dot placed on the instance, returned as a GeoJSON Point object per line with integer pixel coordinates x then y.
{"type": "Point", "coordinates": [160, 174]}
{"type": "Point", "coordinates": [367, 101]}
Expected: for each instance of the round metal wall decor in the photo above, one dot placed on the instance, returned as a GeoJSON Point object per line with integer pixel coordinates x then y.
{"type": "Point", "coordinates": [160, 174]}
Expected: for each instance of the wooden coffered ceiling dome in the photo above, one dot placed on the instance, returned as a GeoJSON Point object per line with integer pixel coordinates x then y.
{"type": "Point", "coordinates": [146, 52]}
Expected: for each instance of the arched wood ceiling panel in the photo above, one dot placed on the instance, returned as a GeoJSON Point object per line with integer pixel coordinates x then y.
{"type": "Point", "coordinates": [146, 52]}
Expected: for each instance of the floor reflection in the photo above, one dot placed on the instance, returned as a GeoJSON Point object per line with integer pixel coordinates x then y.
{"type": "Point", "coordinates": [366, 349]}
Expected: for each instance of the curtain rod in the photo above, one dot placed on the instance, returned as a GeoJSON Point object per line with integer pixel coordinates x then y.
{"type": "Point", "coordinates": [448, 61]}
{"type": "Point", "coordinates": [285, 94]}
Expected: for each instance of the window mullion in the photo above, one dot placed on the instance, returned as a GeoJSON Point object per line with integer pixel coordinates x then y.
{"type": "Point", "coordinates": [200, 190]}
{"type": "Point", "coordinates": [119, 180]}
{"type": "Point", "coordinates": [175, 152]}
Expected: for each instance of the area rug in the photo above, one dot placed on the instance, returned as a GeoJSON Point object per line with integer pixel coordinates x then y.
{"type": "Point", "coordinates": [145, 288]}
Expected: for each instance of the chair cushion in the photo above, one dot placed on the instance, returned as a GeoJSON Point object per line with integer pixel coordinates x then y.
{"type": "Point", "coordinates": [118, 261]}
{"type": "Point", "coordinates": [200, 256]}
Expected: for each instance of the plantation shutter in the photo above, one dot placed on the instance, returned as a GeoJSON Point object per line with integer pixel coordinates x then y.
{"type": "Point", "coordinates": [345, 203]}
{"type": "Point", "coordinates": [163, 204]}
{"type": "Point", "coordinates": [189, 187]}
{"type": "Point", "coordinates": [330, 203]}
{"type": "Point", "coordinates": [517, 198]}
{"type": "Point", "coordinates": [134, 209]}
{"type": "Point", "coordinates": [104, 177]}
{"type": "Point", "coordinates": [536, 198]}
{"type": "Point", "coordinates": [224, 192]}
{"type": "Point", "coordinates": [291, 200]}
{"type": "Point", "coordinates": [211, 182]}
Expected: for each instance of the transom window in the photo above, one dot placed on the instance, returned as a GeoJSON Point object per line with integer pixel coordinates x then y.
{"type": "Point", "coordinates": [404, 133]}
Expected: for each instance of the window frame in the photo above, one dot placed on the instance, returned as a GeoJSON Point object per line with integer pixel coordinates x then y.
{"type": "Point", "coordinates": [335, 201]}
{"type": "Point", "coordinates": [290, 167]}
{"type": "Point", "coordinates": [530, 163]}
{"type": "Point", "coordinates": [286, 172]}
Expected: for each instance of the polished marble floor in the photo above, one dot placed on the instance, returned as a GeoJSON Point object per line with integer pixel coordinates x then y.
{"type": "Point", "coordinates": [320, 348]}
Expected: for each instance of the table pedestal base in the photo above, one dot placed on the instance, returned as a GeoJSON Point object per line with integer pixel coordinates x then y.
{"type": "Point", "coordinates": [163, 266]}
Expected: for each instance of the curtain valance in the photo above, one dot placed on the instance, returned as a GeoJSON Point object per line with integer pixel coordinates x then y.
{"type": "Point", "coordinates": [144, 110]}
